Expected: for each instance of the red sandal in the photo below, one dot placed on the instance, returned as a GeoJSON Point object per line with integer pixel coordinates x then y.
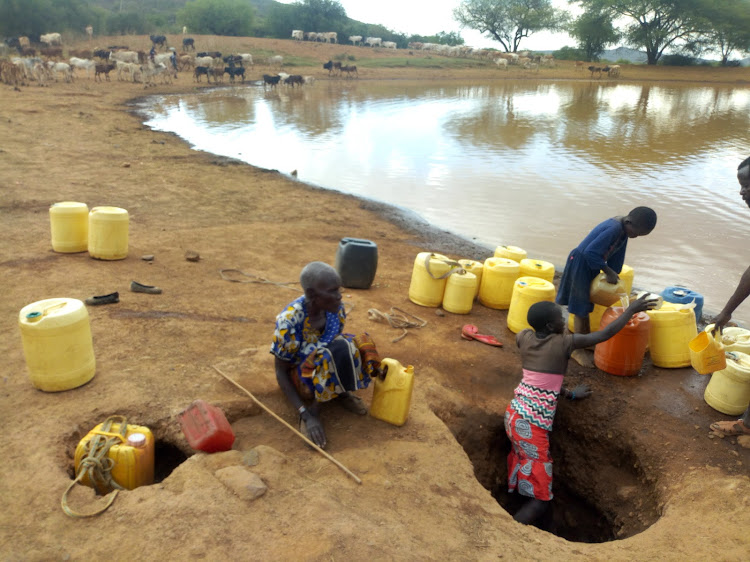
{"type": "Point", "coordinates": [471, 332]}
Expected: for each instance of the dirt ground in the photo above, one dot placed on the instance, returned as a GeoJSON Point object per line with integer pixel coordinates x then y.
{"type": "Point", "coordinates": [636, 475]}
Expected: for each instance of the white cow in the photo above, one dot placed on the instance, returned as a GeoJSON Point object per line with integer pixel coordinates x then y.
{"type": "Point", "coordinates": [247, 59]}
{"type": "Point", "coordinates": [372, 41]}
{"type": "Point", "coordinates": [501, 62]}
{"type": "Point", "coordinates": [89, 32]}
{"type": "Point", "coordinates": [60, 68]}
{"type": "Point", "coordinates": [328, 36]}
{"type": "Point", "coordinates": [85, 64]}
{"type": "Point", "coordinates": [311, 36]}
{"type": "Point", "coordinates": [204, 61]}
{"type": "Point", "coordinates": [355, 39]}
{"type": "Point", "coordinates": [389, 45]}
{"type": "Point", "coordinates": [276, 60]}
{"type": "Point", "coordinates": [123, 56]}
{"type": "Point", "coordinates": [51, 39]}
{"type": "Point", "coordinates": [298, 34]}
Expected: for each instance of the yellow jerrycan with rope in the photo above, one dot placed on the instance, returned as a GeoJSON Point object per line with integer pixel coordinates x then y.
{"type": "Point", "coordinates": [428, 278]}
{"type": "Point", "coordinates": [391, 397]}
{"type": "Point", "coordinates": [115, 456]}
{"type": "Point", "coordinates": [475, 267]}
{"type": "Point", "coordinates": [735, 338]}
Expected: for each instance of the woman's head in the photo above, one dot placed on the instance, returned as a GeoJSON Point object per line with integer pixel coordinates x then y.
{"type": "Point", "coordinates": [640, 221]}
{"type": "Point", "coordinates": [743, 176]}
{"type": "Point", "coordinates": [546, 316]}
{"type": "Point", "coordinates": [322, 286]}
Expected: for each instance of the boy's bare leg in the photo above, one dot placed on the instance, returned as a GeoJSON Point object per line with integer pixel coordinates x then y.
{"type": "Point", "coordinates": [583, 357]}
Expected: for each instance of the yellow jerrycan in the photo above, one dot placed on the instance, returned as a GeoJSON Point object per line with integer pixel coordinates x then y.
{"type": "Point", "coordinates": [108, 233]}
{"type": "Point", "coordinates": [459, 292]}
{"type": "Point", "coordinates": [707, 352]}
{"type": "Point", "coordinates": [627, 275]}
{"type": "Point", "coordinates": [537, 268]}
{"type": "Point", "coordinates": [595, 317]}
{"type": "Point", "coordinates": [498, 280]}
{"type": "Point", "coordinates": [69, 227]}
{"type": "Point", "coordinates": [728, 391]}
{"type": "Point", "coordinates": [735, 339]}
{"type": "Point", "coordinates": [526, 292]}
{"type": "Point", "coordinates": [131, 453]}
{"type": "Point", "coordinates": [428, 278]}
{"type": "Point", "coordinates": [475, 267]}
{"type": "Point", "coordinates": [391, 397]}
{"type": "Point", "coordinates": [672, 329]}
{"type": "Point", "coordinates": [606, 294]}
{"type": "Point", "coordinates": [510, 252]}
{"type": "Point", "coordinates": [57, 344]}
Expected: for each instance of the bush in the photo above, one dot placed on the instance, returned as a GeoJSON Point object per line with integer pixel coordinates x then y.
{"type": "Point", "coordinates": [569, 53]}
{"type": "Point", "coordinates": [678, 60]}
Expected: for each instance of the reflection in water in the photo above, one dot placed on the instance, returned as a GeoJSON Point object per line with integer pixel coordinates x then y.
{"type": "Point", "coordinates": [511, 162]}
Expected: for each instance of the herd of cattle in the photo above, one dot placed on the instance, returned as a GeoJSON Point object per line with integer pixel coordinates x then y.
{"type": "Point", "coordinates": [48, 61]}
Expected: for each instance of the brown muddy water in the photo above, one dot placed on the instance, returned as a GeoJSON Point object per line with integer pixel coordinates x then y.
{"type": "Point", "coordinates": [523, 163]}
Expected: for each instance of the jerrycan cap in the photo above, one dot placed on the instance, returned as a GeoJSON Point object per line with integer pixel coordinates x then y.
{"type": "Point", "coordinates": [33, 316]}
{"type": "Point", "coordinates": [136, 440]}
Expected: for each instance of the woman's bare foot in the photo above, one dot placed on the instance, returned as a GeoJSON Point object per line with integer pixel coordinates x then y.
{"type": "Point", "coordinates": [583, 357]}
{"type": "Point", "coordinates": [729, 428]}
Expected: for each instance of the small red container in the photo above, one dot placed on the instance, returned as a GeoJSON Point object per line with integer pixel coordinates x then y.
{"type": "Point", "coordinates": [206, 428]}
{"type": "Point", "coordinates": [623, 353]}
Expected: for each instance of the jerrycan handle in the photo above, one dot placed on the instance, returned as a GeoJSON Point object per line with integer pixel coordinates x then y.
{"type": "Point", "coordinates": [455, 267]}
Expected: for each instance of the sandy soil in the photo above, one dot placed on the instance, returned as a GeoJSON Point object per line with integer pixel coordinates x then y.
{"type": "Point", "coordinates": [634, 463]}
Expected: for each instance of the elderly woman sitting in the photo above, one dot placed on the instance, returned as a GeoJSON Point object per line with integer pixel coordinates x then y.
{"type": "Point", "coordinates": [315, 361]}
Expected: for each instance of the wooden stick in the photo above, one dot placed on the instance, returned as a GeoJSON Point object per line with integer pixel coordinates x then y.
{"type": "Point", "coordinates": [305, 439]}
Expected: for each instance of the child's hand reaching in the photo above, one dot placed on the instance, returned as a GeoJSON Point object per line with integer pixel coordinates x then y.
{"type": "Point", "coordinates": [579, 392]}
{"type": "Point", "coordinates": [640, 305]}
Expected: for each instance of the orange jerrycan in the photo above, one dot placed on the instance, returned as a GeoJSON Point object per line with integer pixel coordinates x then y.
{"type": "Point", "coordinates": [130, 449]}
{"type": "Point", "coordinates": [728, 391]}
{"type": "Point", "coordinates": [623, 353]}
{"type": "Point", "coordinates": [391, 397]}
{"type": "Point", "coordinates": [707, 353]}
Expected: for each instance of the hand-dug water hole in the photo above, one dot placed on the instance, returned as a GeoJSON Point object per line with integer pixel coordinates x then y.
{"type": "Point", "coordinates": [601, 492]}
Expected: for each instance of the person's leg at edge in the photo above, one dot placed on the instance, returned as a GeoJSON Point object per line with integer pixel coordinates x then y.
{"type": "Point", "coordinates": [734, 427]}
{"type": "Point", "coordinates": [583, 357]}
{"type": "Point", "coordinates": [531, 511]}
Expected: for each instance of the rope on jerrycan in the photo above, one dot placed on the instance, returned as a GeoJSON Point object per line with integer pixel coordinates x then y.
{"type": "Point", "coordinates": [455, 267]}
{"type": "Point", "coordinates": [98, 466]}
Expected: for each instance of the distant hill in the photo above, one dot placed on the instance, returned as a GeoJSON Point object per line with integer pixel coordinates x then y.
{"type": "Point", "coordinates": [625, 53]}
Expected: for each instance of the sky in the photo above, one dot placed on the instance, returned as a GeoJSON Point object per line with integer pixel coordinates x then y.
{"type": "Point", "coordinates": [427, 17]}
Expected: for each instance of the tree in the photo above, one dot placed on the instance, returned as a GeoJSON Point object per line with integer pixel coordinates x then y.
{"type": "Point", "coordinates": [35, 17]}
{"type": "Point", "coordinates": [320, 15]}
{"type": "Point", "coordinates": [449, 38]}
{"type": "Point", "coordinates": [594, 31]}
{"type": "Point", "coordinates": [509, 21]}
{"type": "Point", "coordinates": [726, 27]}
{"type": "Point", "coordinates": [217, 17]}
{"type": "Point", "coordinates": [656, 24]}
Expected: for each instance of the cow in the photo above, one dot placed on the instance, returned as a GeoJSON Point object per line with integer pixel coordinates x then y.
{"type": "Point", "coordinates": [89, 32]}
{"type": "Point", "coordinates": [332, 67]}
{"type": "Point", "coordinates": [595, 70]}
{"type": "Point", "coordinates": [612, 71]}
{"type": "Point", "coordinates": [294, 80]}
{"type": "Point", "coordinates": [328, 37]}
{"type": "Point", "coordinates": [85, 64]}
{"type": "Point", "coordinates": [160, 40]}
{"type": "Point", "coordinates": [212, 54]}
{"type": "Point", "coordinates": [270, 80]}
{"type": "Point", "coordinates": [311, 36]}
{"type": "Point", "coordinates": [103, 68]}
{"type": "Point", "coordinates": [185, 62]}
{"type": "Point", "coordinates": [350, 70]}
{"type": "Point", "coordinates": [276, 60]}
{"type": "Point", "coordinates": [501, 62]}
{"type": "Point", "coordinates": [51, 52]}
{"type": "Point", "coordinates": [298, 34]}
{"type": "Point", "coordinates": [579, 65]}
{"type": "Point", "coordinates": [389, 45]}
{"type": "Point", "coordinates": [81, 53]}
{"type": "Point", "coordinates": [51, 39]}
{"type": "Point", "coordinates": [124, 56]}
{"type": "Point", "coordinates": [235, 71]}
{"type": "Point", "coordinates": [200, 71]}
{"type": "Point", "coordinates": [373, 41]}
{"type": "Point", "coordinates": [355, 39]}
{"type": "Point", "coordinates": [188, 43]}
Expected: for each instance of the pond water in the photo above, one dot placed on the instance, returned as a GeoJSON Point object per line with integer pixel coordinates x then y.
{"type": "Point", "coordinates": [525, 163]}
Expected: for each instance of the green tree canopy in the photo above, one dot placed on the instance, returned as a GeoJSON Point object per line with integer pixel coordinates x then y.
{"type": "Point", "coordinates": [217, 17]}
{"type": "Point", "coordinates": [594, 31]}
{"type": "Point", "coordinates": [654, 24]}
{"type": "Point", "coordinates": [36, 17]}
{"type": "Point", "coordinates": [320, 15]}
{"type": "Point", "coordinates": [725, 28]}
{"type": "Point", "coordinates": [509, 21]}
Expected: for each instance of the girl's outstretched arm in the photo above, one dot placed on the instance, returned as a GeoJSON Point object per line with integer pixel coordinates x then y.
{"type": "Point", "coordinates": [587, 340]}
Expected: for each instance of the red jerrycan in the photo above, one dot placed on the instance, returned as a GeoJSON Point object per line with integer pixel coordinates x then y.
{"type": "Point", "coordinates": [206, 427]}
